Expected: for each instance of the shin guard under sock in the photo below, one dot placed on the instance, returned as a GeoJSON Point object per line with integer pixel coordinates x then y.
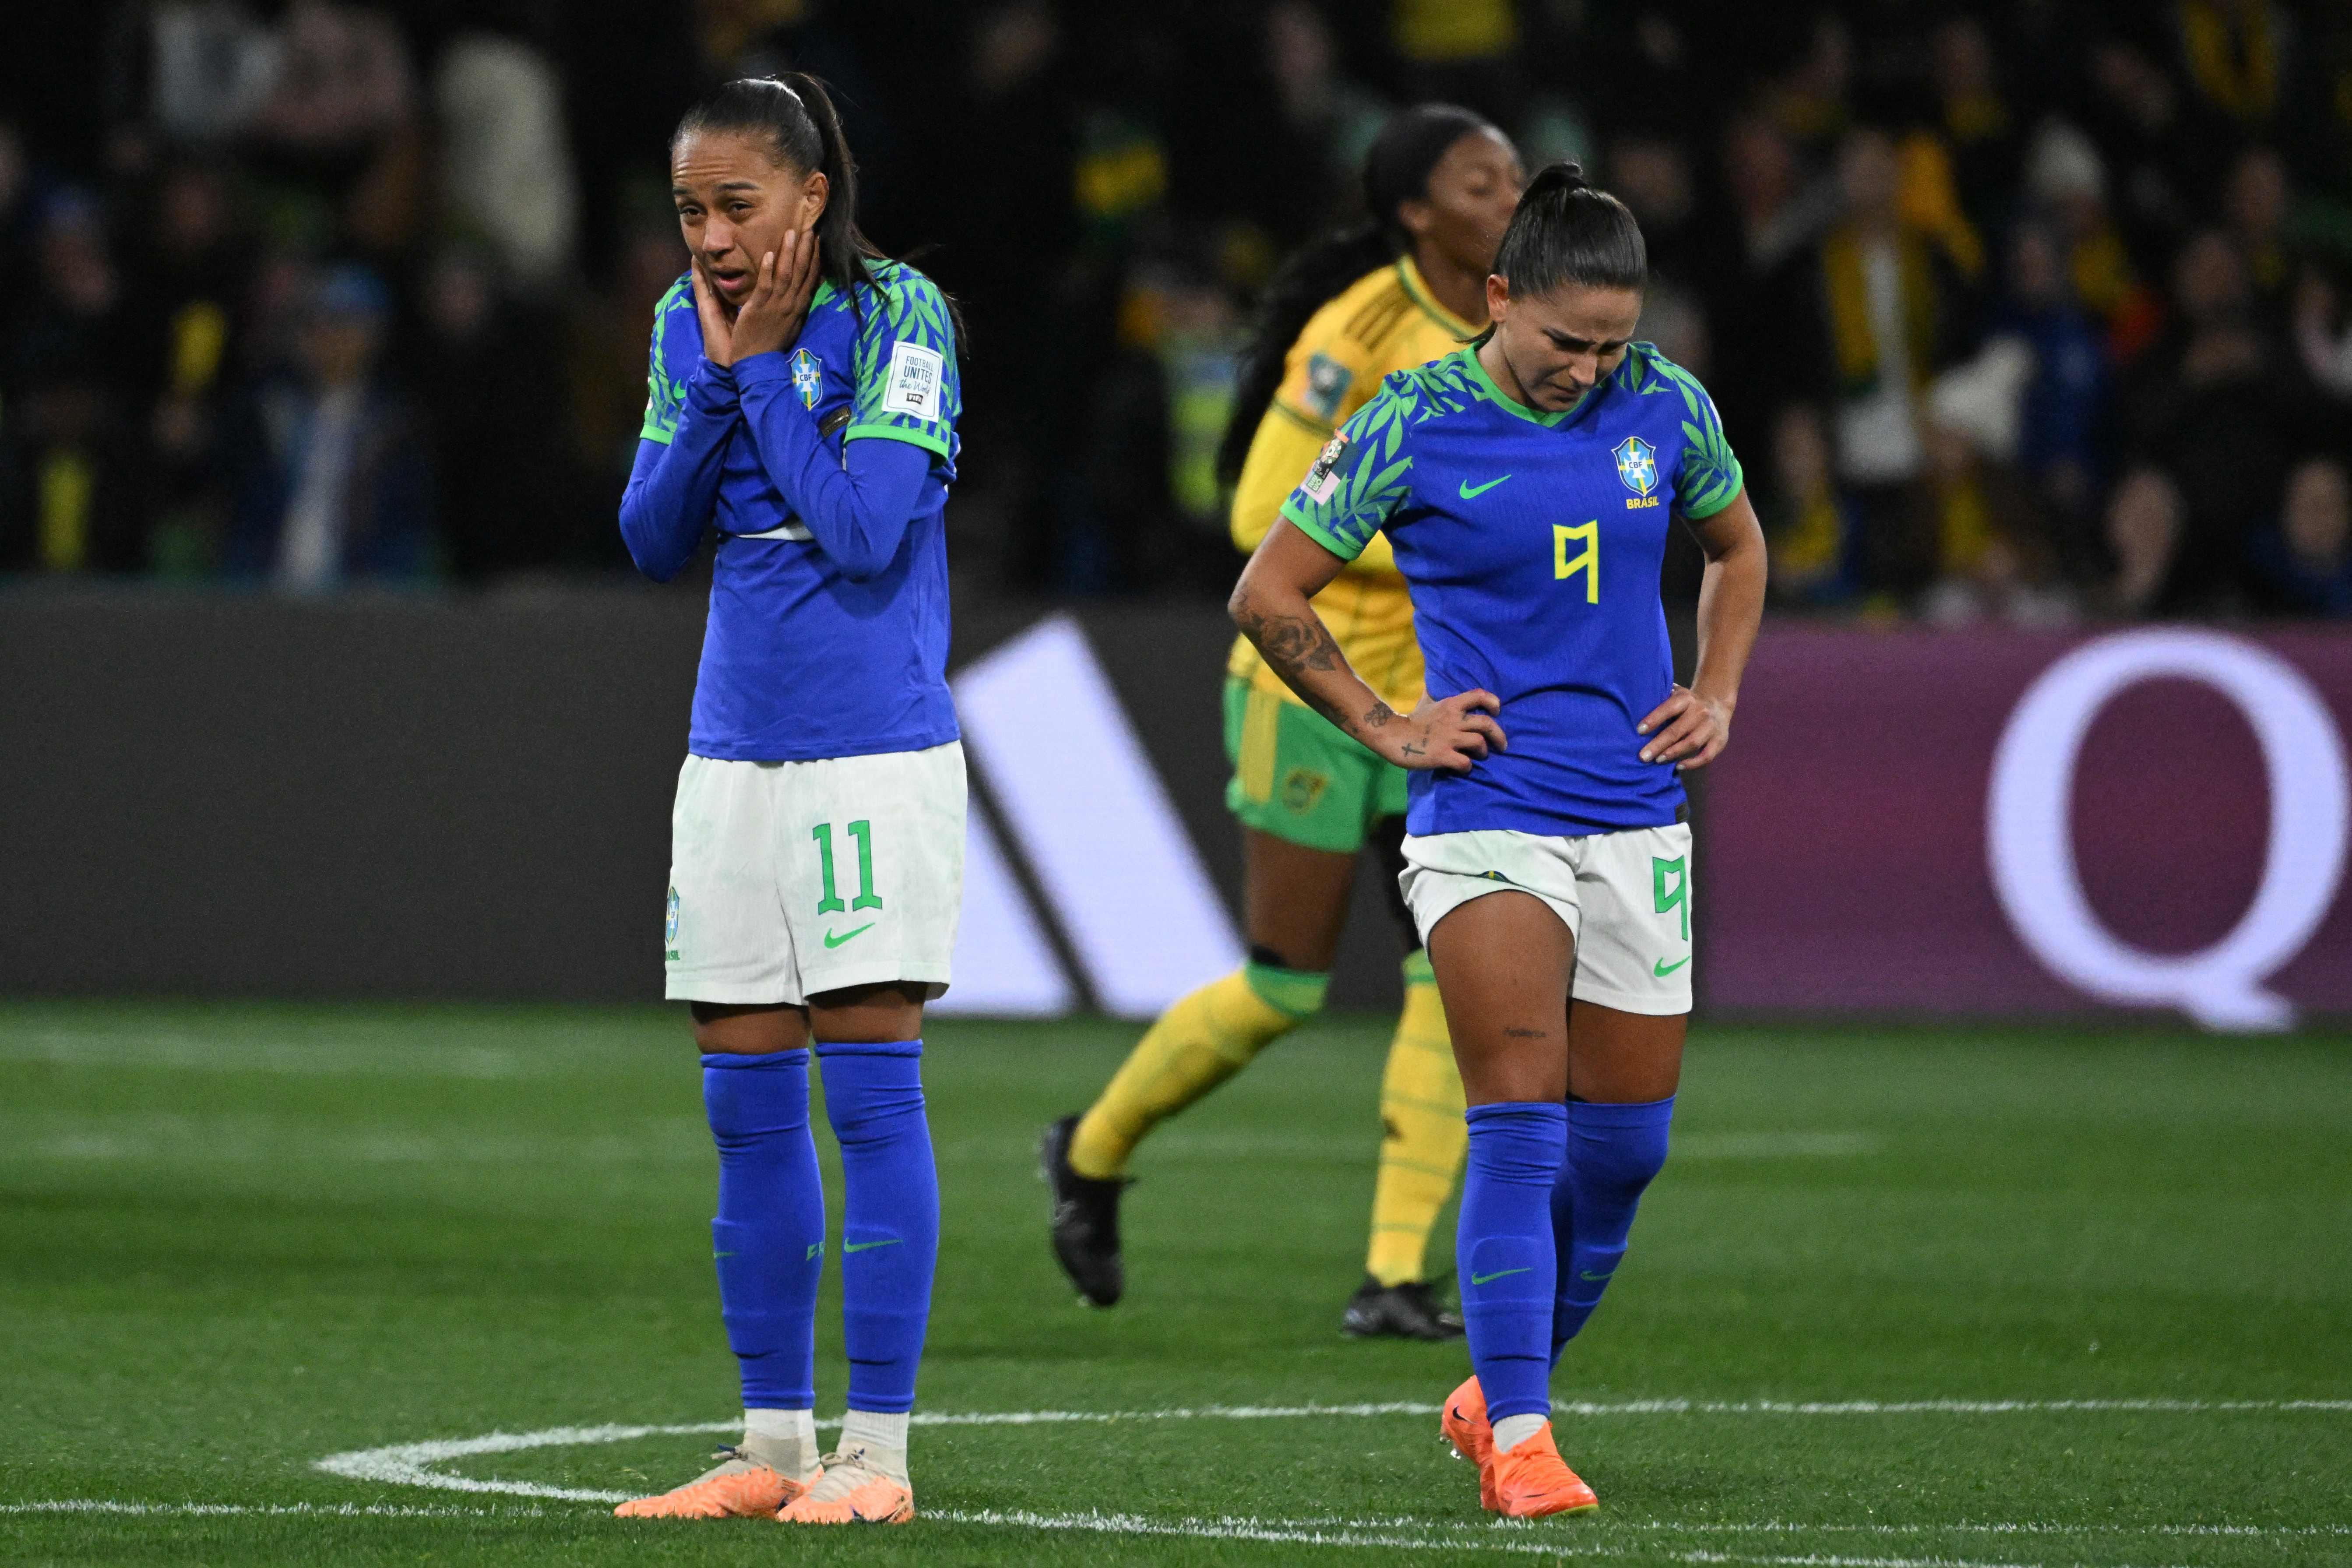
{"type": "Point", "coordinates": [1504, 1250]}
{"type": "Point", "coordinates": [769, 1236]}
{"type": "Point", "coordinates": [1613, 1152]}
{"type": "Point", "coordinates": [890, 1215]}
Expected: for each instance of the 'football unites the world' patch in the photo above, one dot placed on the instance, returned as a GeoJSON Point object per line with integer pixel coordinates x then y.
{"type": "Point", "coordinates": [914, 387]}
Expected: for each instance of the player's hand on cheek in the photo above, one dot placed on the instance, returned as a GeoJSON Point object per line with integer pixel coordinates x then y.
{"type": "Point", "coordinates": [1687, 729]}
{"type": "Point", "coordinates": [717, 336]}
{"type": "Point", "coordinates": [1450, 735]}
{"type": "Point", "coordinates": [770, 319]}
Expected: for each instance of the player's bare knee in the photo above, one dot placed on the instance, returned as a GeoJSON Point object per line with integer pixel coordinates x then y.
{"type": "Point", "coordinates": [722, 1029]}
{"type": "Point", "coordinates": [868, 1015]}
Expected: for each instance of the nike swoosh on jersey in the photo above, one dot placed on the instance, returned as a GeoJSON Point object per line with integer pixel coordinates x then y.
{"type": "Point", "coordinates": [832, 940]}
{"type": "Point", "coordinates": [1471, 493]}
{"type": "Point", "coordinates": [1662, 968]}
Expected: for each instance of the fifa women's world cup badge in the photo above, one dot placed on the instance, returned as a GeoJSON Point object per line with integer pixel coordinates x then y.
{"type": "Point", "coordinates": [1324, 476]}
{"type": "Point", "coordinates": [1637, 465]}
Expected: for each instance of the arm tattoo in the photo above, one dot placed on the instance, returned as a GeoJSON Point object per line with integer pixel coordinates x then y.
{"type": "Point", "coordinates": [1293, 644]}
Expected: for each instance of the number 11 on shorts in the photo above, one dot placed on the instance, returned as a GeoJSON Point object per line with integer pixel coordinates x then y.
{"type": "Point", "coordinates": [867, 899]}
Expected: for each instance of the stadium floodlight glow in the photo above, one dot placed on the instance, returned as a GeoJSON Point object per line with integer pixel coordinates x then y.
{"type": "Point", "coordinates": [1004, 966]}
{"type": "Point", "coordinates": [1080, 797]}
{"type": "Point", "coordinates": [2030, 841]}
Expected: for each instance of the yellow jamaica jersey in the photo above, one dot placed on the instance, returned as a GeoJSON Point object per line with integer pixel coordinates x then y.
{"type": "Point", "coordinates": [1385, 321]}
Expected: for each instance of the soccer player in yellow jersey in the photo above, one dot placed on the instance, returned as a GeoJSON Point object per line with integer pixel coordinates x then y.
{"type": "Point", "coordinates": [1406, 287]}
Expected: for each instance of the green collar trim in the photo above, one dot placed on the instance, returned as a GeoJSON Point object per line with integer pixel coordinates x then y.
{"type": "Point", "coordinates": [1508, 404]}
{"type": "Point", "coordinates": [1416, 289]}
{"type": "Point", "coordinates": [825, 290]}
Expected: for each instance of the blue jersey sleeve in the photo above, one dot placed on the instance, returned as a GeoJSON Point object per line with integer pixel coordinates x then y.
{"type": "Point", "coordinates": [1707, 479]}
{"type": "Point", "coordinates": [907, 387]}
{"type": "Point", "coordinates": [1360, 479]}
{"type": "Point", "coordinates": [690, 408]}
{"type": "Point", "coordinates": [676, 345]}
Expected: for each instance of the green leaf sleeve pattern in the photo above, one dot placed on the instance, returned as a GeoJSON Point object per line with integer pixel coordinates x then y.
{"type": "Point", "coordinates": [664, 393]}
{"type": "Point", "coordinates": [1360, 478]}
{"type": "Point", "coordinates": [909, 388]}
{"type": "Point", "coordinates": [1707, 479]}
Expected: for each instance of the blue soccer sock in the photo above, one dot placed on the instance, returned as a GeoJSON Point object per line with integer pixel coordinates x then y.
{"type": "Point", "coordinates": [1504, 1251]}
{"type": "Point", "coordinates": [769, 1238]}
{"type": "Point", "coordinates": [1614, 1151]}
{"type": "Point", "coordinates": [891, 1223]}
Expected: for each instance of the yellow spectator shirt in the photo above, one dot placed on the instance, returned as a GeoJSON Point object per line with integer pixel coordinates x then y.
{"type": "Point", "coordinates": [1386, 320]}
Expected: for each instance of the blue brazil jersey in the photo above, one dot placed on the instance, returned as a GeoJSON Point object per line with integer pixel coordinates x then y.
{"type": "Point", "coordinates": [1531, 543]}
{"type": "Point", "coordinates": [798, 662]}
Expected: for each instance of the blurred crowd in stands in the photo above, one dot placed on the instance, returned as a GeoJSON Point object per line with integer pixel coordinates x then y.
{"type": "Point", "coordinates": [2032, 310]}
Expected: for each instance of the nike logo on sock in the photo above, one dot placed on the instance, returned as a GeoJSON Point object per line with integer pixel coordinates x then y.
{"type": "Point", "coordinates": [867, 1245]}
{"type": "Point", "coordinates": [1499, 1274]}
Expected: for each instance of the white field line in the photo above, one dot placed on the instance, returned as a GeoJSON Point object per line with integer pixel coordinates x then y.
{"type": "Point", "coordinates": [276, 1510]}
{"type": "Point", "coordinates": [1400, 1534]}
{"type": "Point", "coordinates": [1537, 1540]}
{"type": "Point", "coordinates": [412, 1464]}
{"type": "Point", "coordinates": [405, 1464]}
{"type": "Point", "coordinates": [1419, 1536]}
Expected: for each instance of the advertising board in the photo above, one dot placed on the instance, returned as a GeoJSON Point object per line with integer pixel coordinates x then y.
{"type": "Point", "coordinates": [1993, 823]}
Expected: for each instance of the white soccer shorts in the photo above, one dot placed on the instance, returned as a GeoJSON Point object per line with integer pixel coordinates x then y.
{"type": "Point", "coordinates": [1624, 897]}
{"type": "Point", "coordinates": [790, 880]}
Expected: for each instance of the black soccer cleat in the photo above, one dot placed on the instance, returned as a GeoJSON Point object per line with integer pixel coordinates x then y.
{"type": "Point", "coordinates": [1085, 1218]}
{"type": "Point", "coordinates": [1407, 1311]}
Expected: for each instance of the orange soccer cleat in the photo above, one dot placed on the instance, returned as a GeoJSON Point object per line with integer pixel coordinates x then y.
{"type": "Point", "coordinates": [853, 1490]}
{"type": "Point", "coordinates": [1465, 1426]}
{"type": "Point", "coordinates": [1532, 1481]}
{"type": "Point", "coordinates": [739, 1486]}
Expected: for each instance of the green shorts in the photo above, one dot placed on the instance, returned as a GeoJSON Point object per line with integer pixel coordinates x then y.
{"type": "Point", "coordinates": [1296, 776]}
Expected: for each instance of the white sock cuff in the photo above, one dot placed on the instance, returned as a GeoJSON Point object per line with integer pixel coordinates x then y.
{"type": "Point", "coordinates": [1513, 1430]}
{"type": "Point", "coordinates": [780, 1426]}
{"type": "Point", "coordinates": [875, 1428]}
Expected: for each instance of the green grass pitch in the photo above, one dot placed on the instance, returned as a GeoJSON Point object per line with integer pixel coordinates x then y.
{"type": "Point", "coordinates": [1902, 1297]}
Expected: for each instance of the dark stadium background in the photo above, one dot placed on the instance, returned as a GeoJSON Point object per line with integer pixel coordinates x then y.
{"type": "Point", "coordinates": [445, 770]}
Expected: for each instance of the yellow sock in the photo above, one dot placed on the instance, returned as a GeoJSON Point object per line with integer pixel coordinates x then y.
{"type": "Point", "coordinates": [1422, 1131]}
{"type": "Point", "coordinates": [1202, 1040]}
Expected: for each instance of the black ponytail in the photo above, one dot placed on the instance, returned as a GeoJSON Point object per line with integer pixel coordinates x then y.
{"type": "Point", "coordinates": [1565, 231]}
{"type": "Point", "coordinates": [1396, 169]}
{"type": "Point", "coordinates": [796, 115]}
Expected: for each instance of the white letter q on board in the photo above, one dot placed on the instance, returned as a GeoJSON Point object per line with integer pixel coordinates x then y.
{"type": "Point", "coordinates": [2031, 842]}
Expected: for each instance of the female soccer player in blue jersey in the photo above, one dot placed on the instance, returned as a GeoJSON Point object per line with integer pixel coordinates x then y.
{"type": "Point", "coordinates": [804, 396]}
{"type": "Point", "coordinates": [1525, 483]}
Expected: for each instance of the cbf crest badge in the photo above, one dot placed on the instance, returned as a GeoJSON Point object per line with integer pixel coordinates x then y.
{"type": "Point", "coordinates": [806, 377]}
{"type": "Point", "coordinates": [1637, 465]}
